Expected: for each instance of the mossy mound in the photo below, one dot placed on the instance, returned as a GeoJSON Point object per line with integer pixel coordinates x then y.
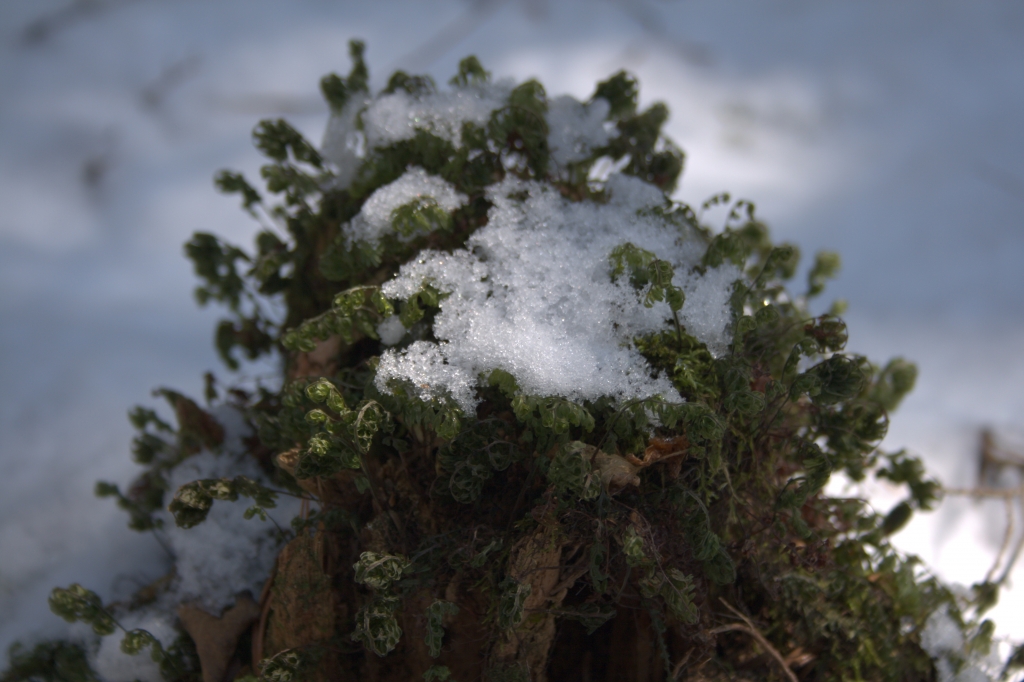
{"type": "Point", "coordinates": [543, 422]}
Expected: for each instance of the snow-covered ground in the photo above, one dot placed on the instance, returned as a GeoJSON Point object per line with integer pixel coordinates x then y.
{"type": "Point", "coordinates": [890, 132]}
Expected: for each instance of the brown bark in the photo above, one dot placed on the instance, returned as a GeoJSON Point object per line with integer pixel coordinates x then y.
{"type": "Point", "coordinates": [536, 562]}
{"type": "Point", "coordinates": [322, 361]}
{"type": "Point", "coordinates": [300, 609]}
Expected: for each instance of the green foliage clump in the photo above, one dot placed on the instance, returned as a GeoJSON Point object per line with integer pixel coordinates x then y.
{"type": "Point", "coordinates": [66, 661]}
{"type": "Point", "coordinates": [53, 661]}
{"type": "Point", "coordinates": [540, 530]}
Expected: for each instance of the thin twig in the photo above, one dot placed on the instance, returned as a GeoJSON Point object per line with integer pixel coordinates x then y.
{"type": "Point", "coordinates": [45, 26]}
{"type": "Point", "coordinates": [756, 634]}
{"type": "Point", "coordinates": [679, 666]}
{"type": "Point", "coordinates": [1008, 567]}
{"type": "Point", "coordinates": [983, 492]}
{"type": "Point", "coordinates": [575, 574]}
{"type": "Point", "coordinates": [1007, 536]}
{"type": "Point", "coordinates": [654, 26]}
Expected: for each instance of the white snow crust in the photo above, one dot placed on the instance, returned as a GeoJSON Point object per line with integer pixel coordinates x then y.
{"type": "Point", "coordinates": [424, 365]}
{"type": "Point", "coordinates": [575, 128]}
{"type": "Point", "coordinates": [941, 634]}
{"type": "Point", "coordinates": [532, 294]}
{"type": "Point", "coordinates": [365, 124]}
{"type": "Point", "coordinates": [374, 219]}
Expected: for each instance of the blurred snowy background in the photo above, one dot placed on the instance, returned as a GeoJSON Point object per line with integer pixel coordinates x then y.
{"type": "Point", "coordinates": [890, 132]}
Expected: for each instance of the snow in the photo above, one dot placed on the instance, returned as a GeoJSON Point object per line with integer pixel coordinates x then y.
{"type": "Point", "coordinates": [942, 639]}
{"type": "Point", "coordinates": [397, 116]}
{"type": "Point", "coordinates": [213, 562]}
{"type": "Point", "coordinates": [375, 218]}
{"type": "Point", "coordinates": [941, 634]}
{"type": "Point", "coordinates": [344, 145]}
{"type": "Point", "coordinates": [391, 330]}
{"type": "Point", "coordinates": [532, 294]}
{"type": "Point", "coordinates": [425, 367]}
{"type": "Point", "coordinates": [575, 129]}
{"type": "Point", "coordinates": [706, 312]}
{"type": "Point", "coordinates": [365, 124]}
{"type": "Point", "coordinates": [226, 554]}
{"type": "Point", "coordinates": [113, 665]}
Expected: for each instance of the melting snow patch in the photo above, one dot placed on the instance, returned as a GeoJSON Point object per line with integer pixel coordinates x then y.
{"type": "Point", "coordinates": [226, 554]}
{"type": "Point", "coordinates": [213, 561]}
{"type": "Point", "coordinates": [424, 367]}
{"type": "Point", "coordinates": [941, 635]}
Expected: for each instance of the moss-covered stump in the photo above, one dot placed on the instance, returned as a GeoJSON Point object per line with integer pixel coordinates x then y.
{"type": "Point", "coordinates": [535, 419]}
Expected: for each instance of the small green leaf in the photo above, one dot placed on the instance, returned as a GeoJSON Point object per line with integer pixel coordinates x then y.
{"type": "Point", "coordinates": [826, 266]}
{"type": "Point", "coordinates": [621, 91]}
{"type": "Point", "coordinates": [437, 673]}
{"type": "Point", "coordinates": [135, 641]}
{"type": "Point", "coordinates": [470, 73]}
{"type": "Point", "coordinates": [338, 91]}
{"type": "Point", "coordinates": [436, 614]}
{"type": "Point", "coordinates": [511, 602]}
{"type": "Point", "coordinates": [633, 548]}
{"type": "Point", "coordinates": [897, 517]}
{"type": "Point", "coordinates": [378, 571]}
{"type": "Point", "coordinates": [571, 471]}
{"type": "Point", "coordinates": [76, 604]}
{"type": "Point", "coordinates": [376, 626]}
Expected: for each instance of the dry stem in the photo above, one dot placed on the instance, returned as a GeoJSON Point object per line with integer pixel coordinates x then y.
{"type": "Point", "coordinates": [749, 628]}
{"type": "Point", "coordinates": [991, 455]}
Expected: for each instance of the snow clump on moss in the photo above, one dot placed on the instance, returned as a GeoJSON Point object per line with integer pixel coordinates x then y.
{"type": "Point", "coordinates": [113, 665]}
{"type": "Point", "coordinates": [393, 117]}
{"type": "Point", "coordinates": [532, 294]}
{"type": "Point", "coordinates": [944, 641]}
{"type": "Point", "coordinates": [214, 561]}
{"type": "Point", "coordinates": [576, 128]}
{"type": "Point", "coordinates": [375, 218]}
{"type": "Point", "coordinates": [365, 124]}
